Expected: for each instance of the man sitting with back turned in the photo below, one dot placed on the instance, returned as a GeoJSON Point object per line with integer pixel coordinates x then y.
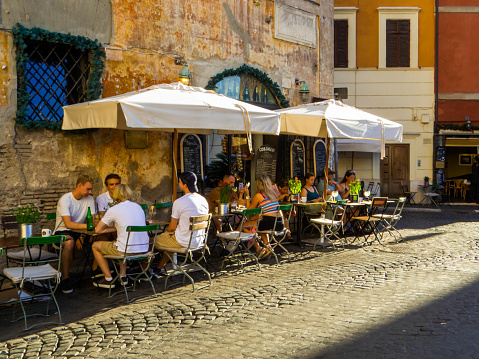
{"type": "Point", "coordinates": [104, 201]}
{"type": "Point", "coordinates": [178, 233]}
{"type": "Point", "coordinates": [72, 209]}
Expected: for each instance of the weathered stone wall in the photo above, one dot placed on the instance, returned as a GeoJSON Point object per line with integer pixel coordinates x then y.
{"type": "Point", "coordinates": [145, 37]}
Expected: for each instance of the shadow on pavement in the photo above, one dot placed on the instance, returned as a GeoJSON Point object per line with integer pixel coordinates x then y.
{"type": "Point", "coordinates": [445, 328]}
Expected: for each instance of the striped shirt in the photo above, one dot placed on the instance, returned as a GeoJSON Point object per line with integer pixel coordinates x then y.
{"type": "Point", "coordinates": [267, 205]}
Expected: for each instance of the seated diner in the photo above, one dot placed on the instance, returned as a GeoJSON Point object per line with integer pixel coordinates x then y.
{"type": "Point", "coordinates": [309, 190]}
{"type": "Point", "coordinates": [122, 215]}
{"type": "Point", "coordinates": [266, 199]}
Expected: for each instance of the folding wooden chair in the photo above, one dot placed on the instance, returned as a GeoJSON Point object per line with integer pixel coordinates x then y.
{"type": "Point", "coordinates": [199, 226]}
{"type": "Point", "coordinates": [366, 226]}
{"type": "Point", "coordinates": [36, 272]}
{"type": "Point", "coordinates": [331, 226]}
{"type": "Point", "coordinates": [409, 195]}
{"type": "Point", "coordinates": [275, 236]}
{"type": "Point", "coordinates": [388, 221]}
{"type": "Point", "coordinates": [143, 259]}
{"type": "Point", "coordinates": [237, 244]}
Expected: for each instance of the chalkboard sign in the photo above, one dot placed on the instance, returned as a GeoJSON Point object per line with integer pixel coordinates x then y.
{"type": "Point", "coordinates": [441, 153]}
{"type": "Point", "coordinates": [266, 159]}
{"type": "Point", "coordinates": [319, 150]}
{"type": "Point", "coordinates": [191, 154]}
{"type": "Point", "coordinates": [298, 163]}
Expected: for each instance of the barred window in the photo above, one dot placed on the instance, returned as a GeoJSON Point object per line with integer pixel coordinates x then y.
{"type": "Point", "coordinates": [56, 75]}
{"type": "Point", "coordinates": [54, 70]}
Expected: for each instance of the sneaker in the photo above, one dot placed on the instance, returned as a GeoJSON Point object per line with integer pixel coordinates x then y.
{"type": "Point", "coordinates": [124, 281]}
{"type": "Point", "coordinates": [157, 272]}
{"type": "Point", "coordinates": [103, 283]}
{"type": "Point", "coordinates": [67, 286]}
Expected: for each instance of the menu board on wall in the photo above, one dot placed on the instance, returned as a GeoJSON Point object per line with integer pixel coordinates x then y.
{"type": "Point", "coordinates": [298, 163]}
{"type": "Point", "coordinates": [266, 159]}
{"type": "Point", "coordinates": [191, 154]}
{"type": "Point", "coordinates": [441, 153]}
{"type": "Point", "coordinates": [319, 157]}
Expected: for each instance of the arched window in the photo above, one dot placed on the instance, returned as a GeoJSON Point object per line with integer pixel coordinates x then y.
{"type": "Point", "coordinates": [246, 88]}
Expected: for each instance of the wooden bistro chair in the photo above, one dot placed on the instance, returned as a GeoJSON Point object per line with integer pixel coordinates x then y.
{"type": "Point", "coordinates": [8, 223]}
{"type": "Point", "coordinates": [238, 244]}
{"type": "Point", "coordinates": [457, 187]}
{"type": "Point", "coordinates": [408, 194]}
{"type": "Point", "coordinates": [389, 221]}
{"type": "Point", "coordinates": [199, 227]}
{"type": "Point", "coordinates": [36, 273]}
{"type": "Point", "coordinates": [276, 237]}
{"type": "Point", "coordinates": [330, 227]}
{"type": "Point", "coordinates": [368, 225]}
{"type": "Point", "coordinates": [143, 259]}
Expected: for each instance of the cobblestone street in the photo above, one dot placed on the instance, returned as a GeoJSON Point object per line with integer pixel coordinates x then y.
{"type": "Point", "coordinates": [414, 299]}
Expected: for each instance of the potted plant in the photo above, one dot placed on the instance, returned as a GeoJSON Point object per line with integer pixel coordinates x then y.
{"type": "Point", "coordinates": [426, 181]}
{"type": "Point", "coordinates": [225, 196]}
{"type": "Point", "coordinates": [26, 216]}
{"type": "Point", "coordinates": [354, 189]}
{"type": "Point", "coordinates": [295, 189]}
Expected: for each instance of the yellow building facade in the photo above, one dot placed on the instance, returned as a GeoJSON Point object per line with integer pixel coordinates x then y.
{"type": "Point", "coordinates": [384, 64]}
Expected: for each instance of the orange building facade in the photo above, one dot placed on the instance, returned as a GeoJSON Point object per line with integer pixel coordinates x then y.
{"type": "Point", "coordinates": [384, 64]}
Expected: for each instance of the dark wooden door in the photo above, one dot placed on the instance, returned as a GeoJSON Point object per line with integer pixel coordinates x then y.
{"type": "Point", "coordinates": [394, 169]}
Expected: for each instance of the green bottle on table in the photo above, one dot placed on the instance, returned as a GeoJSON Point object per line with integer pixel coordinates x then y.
{"type": "Point", "coordinates": [89, 220]}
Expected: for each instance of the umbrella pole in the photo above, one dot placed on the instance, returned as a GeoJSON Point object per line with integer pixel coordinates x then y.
{"type": "Point", "coordinates": [326, 172]}
{"type": "Point", "coordinates": [175, 159]}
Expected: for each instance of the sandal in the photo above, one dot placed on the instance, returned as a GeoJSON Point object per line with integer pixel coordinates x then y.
{"type": "Point", "coordinates": [260, 254]}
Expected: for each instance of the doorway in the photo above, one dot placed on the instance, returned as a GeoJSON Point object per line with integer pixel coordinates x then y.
{"type": "Point", "coordinates": [394, 169]}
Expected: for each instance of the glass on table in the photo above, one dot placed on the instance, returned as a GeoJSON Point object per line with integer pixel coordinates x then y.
{"type": "Point", "coordinates": [334, 194]}
{"type": "Point", "coordinates": [366, 194]}
{"type": "Point", "coordinates": [152, 211]}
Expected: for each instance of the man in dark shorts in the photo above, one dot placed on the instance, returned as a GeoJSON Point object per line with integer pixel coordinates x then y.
{"type": "Point", "coordinates": [72, 209]}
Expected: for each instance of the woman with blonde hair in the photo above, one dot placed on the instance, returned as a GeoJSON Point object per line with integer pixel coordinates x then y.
{"type": "Point", "coordinates": [121, 215]}
{"type": "Point", "coordinates": [266, 199]}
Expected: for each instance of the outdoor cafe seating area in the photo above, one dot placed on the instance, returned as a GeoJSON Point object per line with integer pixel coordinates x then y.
{"type": "Point", "coordinates": [32, 264]}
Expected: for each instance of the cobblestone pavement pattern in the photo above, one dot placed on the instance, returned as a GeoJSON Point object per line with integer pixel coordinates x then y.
{"type": "Point", "coordinates": [415, 299]}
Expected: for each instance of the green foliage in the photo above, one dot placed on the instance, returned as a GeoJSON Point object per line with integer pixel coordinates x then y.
{"type": "Point", "coordinates": [225, 191]}
{"type": "Point", "coordinates": [260, 75]}
{"type": "Point", "coordinates": [295, 185]}
{"type": "Point", "coordinates": [94, 85]}
{"type": "Point", "coordinates": [217, 169]}
{"type": "Point", "coordinates": [26, 215]}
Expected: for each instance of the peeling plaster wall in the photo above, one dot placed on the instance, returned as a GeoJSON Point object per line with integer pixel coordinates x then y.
{"type": "Point", "coordinates": [39, 165]}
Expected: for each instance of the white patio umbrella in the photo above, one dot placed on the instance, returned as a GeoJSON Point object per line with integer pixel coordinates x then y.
{"type": "Point", "coordinates": [173, 108]}
{"type": "Point", "coordinates": [169, 107]}
{"type": "Point", "coordinates": [333, 119]}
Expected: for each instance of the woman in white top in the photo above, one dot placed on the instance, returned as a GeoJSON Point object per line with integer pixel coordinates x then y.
{"type": "Point", "coordinates": [122, 215]}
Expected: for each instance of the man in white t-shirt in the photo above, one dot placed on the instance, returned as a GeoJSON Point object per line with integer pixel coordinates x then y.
{"type": "Point", "coordinates": [122, 215]}
{"type": "Point", "coordinates": [72, 209]}
{"type": "Point", "coordinates": [178, 233]}
{"type": "Point", "coordinates": [105, 201]}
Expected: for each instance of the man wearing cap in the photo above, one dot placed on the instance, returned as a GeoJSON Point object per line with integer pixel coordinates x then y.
{"type": "Point", "coordinates": [178, 232]}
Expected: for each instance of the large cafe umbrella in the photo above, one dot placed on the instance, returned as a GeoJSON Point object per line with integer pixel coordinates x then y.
{"type": "Point", "coordinates": [173, 108]}
{"type": "Point", "coordinates": [333, 119]}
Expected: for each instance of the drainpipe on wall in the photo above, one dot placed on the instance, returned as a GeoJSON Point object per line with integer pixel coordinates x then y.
{"type": "Point", "coordinates": [436, 84]}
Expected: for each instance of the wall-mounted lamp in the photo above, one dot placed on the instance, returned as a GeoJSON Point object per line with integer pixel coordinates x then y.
{"type": "Point", "coordinates": [468, 123]}
{"type": "Point", "coordinates": [185, 75]}
{"type": "Point", "coordinates": [304, 92]}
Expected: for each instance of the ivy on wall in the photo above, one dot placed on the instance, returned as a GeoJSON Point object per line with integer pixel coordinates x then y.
{"type": "Point", "coordinates": [251, 71]}
{"type": "Point", "coordinates": [94, 85]}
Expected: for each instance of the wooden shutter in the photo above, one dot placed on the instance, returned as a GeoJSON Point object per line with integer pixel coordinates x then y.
{"type": "Point", "coordinates": [397, 43]}
{"type": "Point", "coordinates": [341, 43]}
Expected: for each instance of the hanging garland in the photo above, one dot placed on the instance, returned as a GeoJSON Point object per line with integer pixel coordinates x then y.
{"type": "Point", "coordinates": [455, 127]}
{"type": "Point", "coordinates": [94, 85]}
{"type": "Point", "coordinates": [258, 74]}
